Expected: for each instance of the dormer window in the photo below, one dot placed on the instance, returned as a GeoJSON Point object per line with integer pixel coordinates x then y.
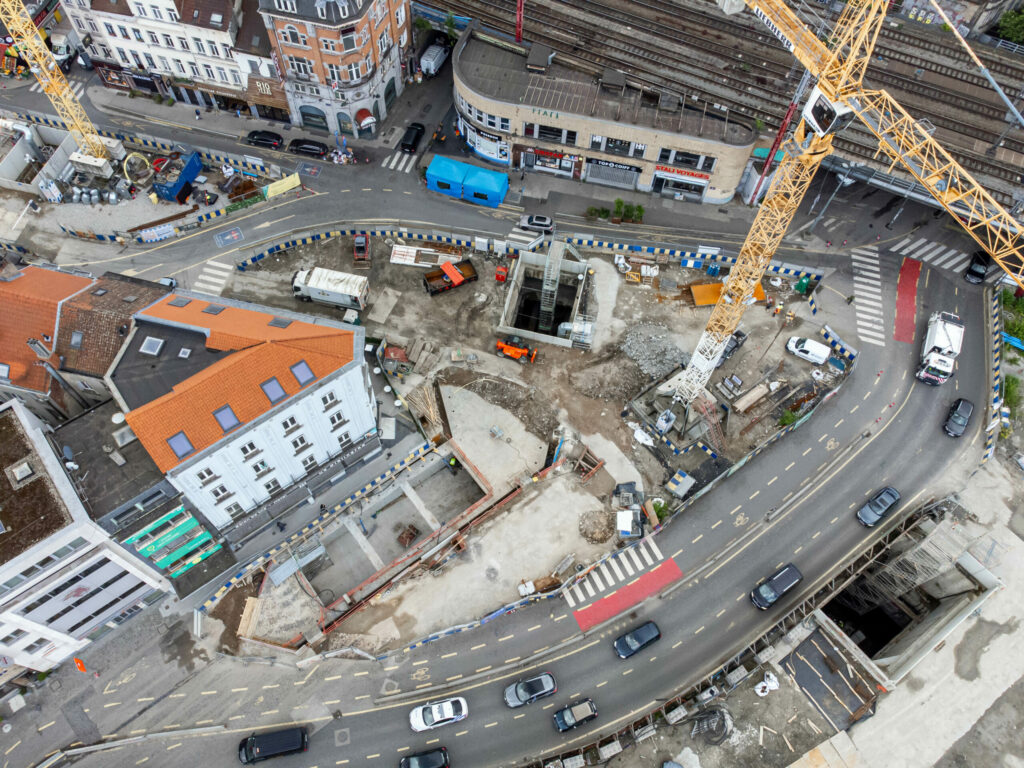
{"type": "Point", "coordinates": [288, 6]}
{"type": "Point", "coordinates": [216, 19]}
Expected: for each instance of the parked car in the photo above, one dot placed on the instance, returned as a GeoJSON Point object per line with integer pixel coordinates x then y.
{"type": "Point", "coordinates": [808, 349]}
{"type": "Point", "coordinates": [734, 342]}
{"type": "Point", "coordinates": [411, 138]}
{"type": "Point", "coordinates": [435, 714]}
{"type": "Point", "coordinates": [959, 416]}
{"type": "Point", "coordinates": [977, 270]}
{"type": "Point", "coordinates": [435, 758]}
{"type": "Point", "coordinates": [878, 506]}
{"type": "Point", "coordinates": [528, 691]}
{"type": "Point", "coordinates": [267, 139]}
{"type": "Point", "coordinates": [574, 715]}
{"type": "Point", "coordinates": [308, 147]}
{"type": "Point", "coordinates": [768, 592]}
{"type": "Point", "coordinates": [637, 639]}
{"type": "Point", "coordinates": [542, 224]}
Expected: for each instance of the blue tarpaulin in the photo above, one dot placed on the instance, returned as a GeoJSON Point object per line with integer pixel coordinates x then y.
{"type": "Point", "coordinates": [445, 176]}
{"type": "Point", "coordinates": [473, 184]}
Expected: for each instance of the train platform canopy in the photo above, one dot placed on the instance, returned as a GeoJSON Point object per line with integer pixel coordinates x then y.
{"type": "Point", "coordinates": [472, 184]}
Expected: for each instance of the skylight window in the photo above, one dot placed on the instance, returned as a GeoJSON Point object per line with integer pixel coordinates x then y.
{"type": "Point", "coordinates": [180, 445]}
{"type": "Point", "coordinates": [5, 371]}
{"type": "Point", "coordinates": [151, 346]}
{"type": "Point", "coordinates": [273, 390]}
{"type": "Point", "coordinates": [226, 418]}
{"type": "Point", "coordinates": [179, 301]}
{"type": "Point", "coordinates": [76, 339]}
{"type": "Point", "coordinates": [302, 373]}
{"type": "Point", "coordinates": [184, 352]}
{"type": "Point", "coordinates": [280, 322]}
{"type": "Point", "coordinates": [213, 309]}
{"type": "Point", "coordinates": [99, 291]}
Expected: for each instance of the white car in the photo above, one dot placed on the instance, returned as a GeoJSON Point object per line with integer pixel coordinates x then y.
{"type": "Point", "coordinates": [437, 713]}
{"type": "Point", "coordinates": [542, 224]}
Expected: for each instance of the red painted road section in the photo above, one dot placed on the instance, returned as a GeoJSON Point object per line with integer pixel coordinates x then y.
{"type": "Point", "coordinates": [906, 301]}
{"type": "Point", "coordinates": [628, 596]}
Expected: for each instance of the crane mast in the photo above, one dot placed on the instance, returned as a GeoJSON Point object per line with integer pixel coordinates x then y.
{"type": "Point", "coordinates": [30, 46]}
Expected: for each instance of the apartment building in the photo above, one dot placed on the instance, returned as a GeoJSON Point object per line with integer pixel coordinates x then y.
{"type": "Point", "coordinates": [236, 404]}
{"type": "Point", "coordinates": [342, 60]}
{"type": "Point", "coordinates": [63, 582]}
{"type": "Point", "coordinates": [519, 106]}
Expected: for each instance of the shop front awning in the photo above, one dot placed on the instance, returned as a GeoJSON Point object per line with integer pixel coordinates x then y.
{"type": "Point", "coordinates": [365, 118]}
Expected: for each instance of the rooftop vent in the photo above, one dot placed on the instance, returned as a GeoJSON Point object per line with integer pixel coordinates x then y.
{"type": "Point", "coordinates": [151, 346]}
{"type": "Point", "coordinates": [213, 309]}
{"type": "Point", "coordinates": [179, 301]}
{"type": "Point", "coordinates": [22, 472]}
{"type": "Point", "coordinates": [99, 292]}
{"type": "Point", "coordinates": [124, 436]}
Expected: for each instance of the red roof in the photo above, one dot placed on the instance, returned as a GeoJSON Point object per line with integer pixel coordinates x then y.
{"type": "Point", "coordinates": [260, 352]}
{"type": "Point", "coordinates": [31, 302]}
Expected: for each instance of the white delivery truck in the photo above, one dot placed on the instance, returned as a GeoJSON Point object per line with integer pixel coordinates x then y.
{"type": "Point", "coordinates": [63, 46]}
{"type": "Point", "coordinates": [942, 343]}
{"type": "Point", "coordinates": [336, 289]}
{"type": "Point", "coordinates": [433, 59]}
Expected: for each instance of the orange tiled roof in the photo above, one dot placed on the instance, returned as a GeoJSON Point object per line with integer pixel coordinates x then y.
{"type": "Point", "coordinates": [259, 351]}
{"type": "Point", "coordinates": [30, 302]}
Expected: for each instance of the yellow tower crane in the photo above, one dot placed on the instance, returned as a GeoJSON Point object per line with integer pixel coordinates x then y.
{"type": "Point", "coordinates": [32, 49]}
{"type": "Point", "coordinates": [837, 99]}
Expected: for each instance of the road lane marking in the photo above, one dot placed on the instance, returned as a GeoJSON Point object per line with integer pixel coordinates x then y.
{"type": "Point", "coordinates": [716, 525]}
{"type": "Point", "coordinates": [364, 696]}
{"type": "Point", "coordinates": [392, 667]}
{"type": "Point", "coordinates": [506, 637]}
{"type": "Point", "coordinates": [677, 553]}
{"type": "Point", "coordinates": [233, 690]}
{"type": "Point", "coordinates": [755, 493]}
{"type": "Point", "coordinates": [417, 663]}
{"type": "Point", "coordinates": [146, 698]}
{"type": "Point", "coordinates": [823, 437]}
{"type": "Point", "coordinates": [449, 655]}
{"type": "Point", "coordinates": [789, 466]}
{"type": "Point", "coordinates": [491, 725]}
{"type": "Point", "coordinates": [678, 644]}
{"type": "Point", "coordinates": [460, 733]}
{"type": "Point", "coordinates": [174, 746]}
{"type": "Point", "coordinates": [535, 626]}
{"type": "Point", "coordinates": [44, 727]}
{"type": "Point", "coordinates": [484, 669]}
{"type": "Point", "coordinates": [720, 613]}
{"type": "Point", "coordinates": [423, 685]}
{"type": "Point", "coordinates": [699, 631]}
{"type": "Point", "coordinates": [454, 677]}
{"type": "Point", "coordinates": [541, 650]}
{"type": "Point", "coordinates": [815, 535]}
{"type": "Point", "coordinates": [514, 658]}
{"type": "Point", "coordinates": [112, 704]}
{"type": "Point", "coordinates": [798, 549]}
{"type": "Point", "coordinates": [738, 508]}
{"type": "Point", "coordinates": [475, 647]}
{"type": "Point", "coordinates": [697, 539]}
{"type": "Point", "coordinates": [559, 618]}
{"type": "Point", "coordinates": [866, 396]}
{"type": "Point", "coordinates": [627, 672]}
{"type": "Point", "coordinates": [604, 682]}
{"type": "Point", "coordinates": [334, 677]}
{"type": "Point", "coordinates": [270, 712]}
{"type": "Point", "coordinates": [833, 520]}
{"type": "Point", "coordinates": [271, 685]}
{"type": "Point", "coordinates": [772, 480]}
{"type": "Point", "coordinates": [838, 423]}
{"type": "Point", "coordinates": [808, 451]}
{"type": "Point", "coordinates": [12, 747]}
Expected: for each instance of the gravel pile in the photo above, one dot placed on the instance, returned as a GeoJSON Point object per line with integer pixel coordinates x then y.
{"type": "Point", "coordinates": [651, 347]}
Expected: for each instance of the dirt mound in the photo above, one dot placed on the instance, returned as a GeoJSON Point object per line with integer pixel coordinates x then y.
{"type": "Point", "coordinates": [597, 525]}
{"type": "Point", "coordinates": [653, 349]}
{"type": "Point", "coordinates": [611, 377]}
{"type": "Point", "coordinates": [529, 404]}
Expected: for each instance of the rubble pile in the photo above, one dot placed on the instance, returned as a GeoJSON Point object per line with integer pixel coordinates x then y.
{"type": "Point", "coordinates": [652, 349]}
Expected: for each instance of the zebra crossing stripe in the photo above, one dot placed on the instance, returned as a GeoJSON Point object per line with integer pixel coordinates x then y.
{"type": "Point", "coordinates": [865, 299]}
{"type": "Point", "coordinates": [654, 549]}
{"type": "Point", "coordinates": [615, 567]}
{"type": "Point", "coordinates": [647, 557]}
{"type": "Point", "coordinates": [626, 566]}
{"type": "Point", "coordinates": [914, 247]}
{"type": "Point", "coordinates": [958, 265]}
{"type": "Point", "coordinates": [947, 258]}
{"type": "Point", "coordinates": [866, 340]}
{"type": "Point", "coordinates": [597, 580]}
{"type": "Point", "coordinates": [636, 559]}
{"type": "Point", "coordinates": [902, 243]}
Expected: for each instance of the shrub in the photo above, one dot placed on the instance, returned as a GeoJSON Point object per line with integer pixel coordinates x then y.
{"type": "Point", "coordinates": [604, 213]}
{"type": "Point", "coordinates": [628, 211]}
{"type": "Point", "coordinates": [169, 101]}
{"type": "Point", "coordinates": [1011, 26]}
{"type": "Point", "coordinates": [592, 212]}
{"type": "Point", "coordinates": [639, 214]}
{"type": "Point", "coordinates": [158, 99]}
{"type": "Point", "coordinates": [787, 418]}
{"type": "Point", "coordinates": [618, 207]}
{"type": "Point", "coordinates": [1011, 394]}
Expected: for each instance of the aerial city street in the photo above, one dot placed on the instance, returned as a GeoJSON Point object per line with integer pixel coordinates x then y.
{"type": "Point", "coordinates": [515, 383]}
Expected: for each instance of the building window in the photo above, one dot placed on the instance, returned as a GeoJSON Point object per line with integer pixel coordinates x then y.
{"type": "Point", "coordinates": [686, 159]}
{"type": "Point", "coordinates": [124, 32]}
{"type": "Point", "coordinates": [123, 56]}
{"type": "Point", "coordinates": [260, 467]}
{"type": "Point", "coordinates": [300, 443]}
{"type": "Point", "coordinates": [110, 30]}
{"type": "Point", "coordinates": [338, 420]}
{"type": "Point", "coordinates": [234, 76]}
{"type": "Point", "coordinates": [348, 41]}
{"type": "Point", "coordinates": [708, 164]}
{"type": "Point", "coordinates": [597, 142]}
{"type": "Point", "coordinates": [140, 10]}
{"type": "Point", "coordinates": [180, 445]}
{"type": "Point", "coordinates": [334, 73]}
{"type": "Point", "coordinates": [200, 48]}
{"type": "Point", "coordinates": [138, 35]}
{"type": "Point", "coordinates": [329, 46]}
{"type": "Point", "coordinates": [329, 400]}
{"type": "Point", "coordinates": [92, 26]}
{"type": "Point", "coordinates": [220, 492]}
{"type": "Point", "coordinates": [38, 645]}
{"type": "Point", "coordinates": [168, 41]}
{"type": "Point", "coordinates": [226, 49]}
{"type": "Point", "coordinates": [172, 16]}
{"type": "Point", "coordinates": [400, 15]}
{"type": "Point", "coordinates": [299, 66]}
{"type": "Point", "coordinates": [222, 74]}
{"type": "Point", "coordinates": [293, 36]}
{"type": "Point", "coordinates": [665, 156]}
{"type": "Point", "coordinates": [618, 147]}
{"type": "Point", "coordinates": [550, 133]}
{"type": "Point", "coordinates": [183, 43]}
{"type": "Point", "coordinates": [153, 38]}
{"type": "Point", "coordinates": [353, 71]}
{"type": "Point", "coordinates": [639, 150]}
{"type": "Point", "coordinates": [137, 59]}
{"type": "Point", "coordinates": [209, 71]}
{"type": "Point", "coordinates": [180, 66]}
{"type": "Point", "coordinates": [164, 64]}
{"type": "Point", "coordinates": [288, 6]}
{"type": "Point", "coordinates": [309, 462]}
{"type": "Point", "coordinates": [226, 418]}
{"type": "Point", "coordinates": [149, 61]}
{"type": "Point", "coordinates": [14, 637]}
{"type": "Point", "coordinates": [321, 10]}
{"type": "Point", "coordinates": [403, 39]}
{"type": "Point", "coordinates": [194, 68]}
{"type": "Point", "coordinates": [248, 450]}
{"type": "Point", "coordinates": [76, 339]}
{"type": "Point", "coordinates": [570, 138]}
{"type": "Point", "coordinates": [234, 509]}
{"type": "Point", "coordinates": [213, 49]}
{"type": "Point", "coordinates": [273, 486]}
{"type": "Point", "coordinates": [503, 124]}
{"type": "Point", "coordinates": [383, 42]}
{"type": "Point", "coordinates": [288, 424]}
{"type": "Point", "coordinates": [106, 53]}
{"type": "Point", "coordinates": [156, 12]}
{"type": "Point", "coordinates": [216, 19]}
{"type": "Point", "coordinates": [205, 475]}
{"type": "Point", "coordinates": [273, 390]}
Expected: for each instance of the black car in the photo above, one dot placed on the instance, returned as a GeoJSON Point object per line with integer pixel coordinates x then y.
{"type": "Point", "coordinates": [308, 147]}
{"type": "Point", "coordinates": [977, 270]}
{"type": "Point", "coordinates": [768, 592]}
{"type": "Point", "coordinates": [528, 691]}
{"type": "Point", "coordinates": [878, 506]}
{"type": "Point", "coordinates": [958, 418]}
{"type": "Point", "coordinates": [267, 139]}
{"type": "Point", "coordinates": [411, 139]}
{"type": "Point", "coordinates": [637, 639]}
{"type": "Point", "coordinates": [574, 715]}
{"type": "Point", "coordinates": [435, 758]}
{"type": "Point", "coordinates": [734, 342]}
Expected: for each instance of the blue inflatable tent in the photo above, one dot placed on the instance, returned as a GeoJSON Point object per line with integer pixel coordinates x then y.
{"type": "Point", "coordinates": [445, 176]}
{"type": "Point", "coordinates": [484, 187]}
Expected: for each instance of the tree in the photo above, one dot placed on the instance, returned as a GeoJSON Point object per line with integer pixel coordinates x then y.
{"type": "Point", "coordinates": [422, 27]}
{"type": "Point", "coordinates": [1011, 26]}
{"type": "Point", "coordinates": [449, 25]}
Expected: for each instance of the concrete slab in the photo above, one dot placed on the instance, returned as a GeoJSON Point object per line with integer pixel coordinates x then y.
{"type": "Point", "coordinates": [383, 303]}
{"type": "Point", "coordinates": [617, 464]}
{"type": "Point", "coordinates": [364, 544]}
{"type": "Point", "coordinates": [417, 502]}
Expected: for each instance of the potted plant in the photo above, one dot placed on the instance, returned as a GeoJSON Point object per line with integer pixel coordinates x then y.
{"type": "Point", "coordinates": [591, 213]}
{"type": "Point", "coordinates": [638, 214]}
{"type": "Point", "coordinates": [617, 216]}
{"type": "Point", "coordinates": [603, 213]}
{"type": "Point", "coordinates": [627, 212]}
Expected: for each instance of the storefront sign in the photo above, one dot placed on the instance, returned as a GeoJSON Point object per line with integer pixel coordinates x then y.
{"type": "Point", "coordinates": [545, 153]}
{"type": "Point", "coordinates": [545, 112]}
{"type": "Point", "coordinates": [610, 164]}
{"type": "Point", "coordinates": [266, 91]}
{"type": "Point", "coordinates": [488, 136]}
{"type": "Point", "coordinates": [681, 172]}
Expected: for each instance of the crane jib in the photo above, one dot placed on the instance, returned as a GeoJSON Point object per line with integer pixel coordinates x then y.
{"type": "Point", "coordinates": [775, 30]}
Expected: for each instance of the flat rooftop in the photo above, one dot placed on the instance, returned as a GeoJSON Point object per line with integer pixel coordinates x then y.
{"type": "Point", "coordinates": [30, 507]}
{"type": "Point", "coordinates": [496, 69]}
{"type": "Point", "coordinates": [98, 441]}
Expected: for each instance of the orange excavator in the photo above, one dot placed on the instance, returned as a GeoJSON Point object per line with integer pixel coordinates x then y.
{"type": "Point", "coordinates": [516, 349]}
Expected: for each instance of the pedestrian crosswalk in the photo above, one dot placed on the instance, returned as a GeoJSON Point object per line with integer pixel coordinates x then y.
{"type": "Point", "coordinates": [938, 255]}
{"type": "Point", "coordinates": [77, 87]}
{"type": "Point", "coordinates": [213, 277]}
{"type": "Point", "coordinates": [621, 567]}
{"type": "Point", "coordinates": [400, 161]}
{"type": "Point", "coordinates": [867, 293]}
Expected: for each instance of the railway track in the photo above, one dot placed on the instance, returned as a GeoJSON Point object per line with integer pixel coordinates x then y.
{"type": "Point", "coordinates": [740, 66]}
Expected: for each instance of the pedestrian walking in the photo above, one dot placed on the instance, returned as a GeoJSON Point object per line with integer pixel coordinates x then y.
{"type": "Point", "coordinates": [281, 526]}
{"type": "Point", "coordinates": [323, 507]}
{"type": "Point", "coordinates": [844, 242]}
{"type": "Point", "coordinates": [828, 243]}
{"type": "Point", "coordinates": [850, 298]}
{"type": "Point", "coordinates": [197, 113]}
{"type": "Point", "coordinates": [238, 113]}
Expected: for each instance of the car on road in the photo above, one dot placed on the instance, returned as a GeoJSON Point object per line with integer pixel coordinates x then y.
{"type": "Point", "coordinates": [734, 342]}
{"type": "Point", "coordinates": [768, 592]}
{"type": "Point", "coordinates": [528, 691]}
{"type": "Point", "coordinates": [542, 224]}
{"type": "Point", "coordinates": [959, 416]}
{"type": "Point", "coordinates": [636, 639]}
{"type": "Point", "coordinates": [878, 506]}
{"type": "Point", "coordinates": [308, 147]}
{"type": "Point", "coordinates": [411, 139]}
{"type": "Point", "coordinates": [360, 248]}
{"type": "Point", "coordinates": [977, 270]}
{"type": "Point", "coordinates": [267, 139]}
{"type": "Point", "coordinates": [574, 715]}
{"type": "Point", "coordinates": [435, 758]}
{"type": "Point", "coordinates": [437, 713]}
{"type": "Point", "coordinates": [262, 746]}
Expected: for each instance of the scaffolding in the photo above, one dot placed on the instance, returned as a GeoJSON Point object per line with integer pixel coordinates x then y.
{"type": "Point", "coordinates": [549, 290]}
{"type": "Point", "coordinates": [714, 434]}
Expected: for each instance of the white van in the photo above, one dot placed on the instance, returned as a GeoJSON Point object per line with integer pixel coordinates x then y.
{"type": "Point", "coordinates": [432, 60]}
{"type": "Point", "coordinates": [809, 350]}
